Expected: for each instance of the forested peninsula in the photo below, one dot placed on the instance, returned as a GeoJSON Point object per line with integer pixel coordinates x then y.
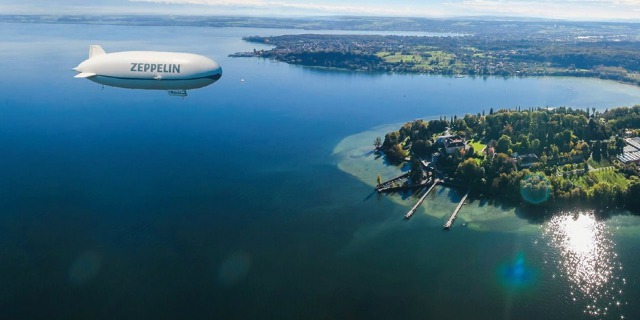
{"type": "Point", "coordinates": [560, 157]}
{"type": "Point", "coordinates": [612, 57]}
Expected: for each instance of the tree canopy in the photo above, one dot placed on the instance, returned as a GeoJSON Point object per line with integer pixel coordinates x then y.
{"type": "Point", "coordinates": [562, 139]}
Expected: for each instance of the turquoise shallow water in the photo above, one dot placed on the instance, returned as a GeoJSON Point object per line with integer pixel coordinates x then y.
{"type": "Point", "coordinates": [240, 202]}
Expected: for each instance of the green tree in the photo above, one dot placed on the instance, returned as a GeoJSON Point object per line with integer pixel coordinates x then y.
{"type": "Point", "coordinates": [602, 193]}
{"type": "Point", "coordinates": [535, 146]}
{"type": "Point", "coordinates": [525, 145]}
{"type": "Point", "coordinates": [554, 152]}
{"type": "Point", "coordinates": [460, 126]}
{"type": "Point", "coordinates": [584, 149]}
{"type": "Point", "coordinates": [470, 152]}
{"type": "Point", "coordinates": [396, 154]}
{"type": "Point", "coordinates": [619, 146]}
{"type": "Point", "coordinates": [390, 140]}
{"type": "Point", "coordinates": [597, 151]}
{"type": "Point", "coordinates": [377, 142]}
{"type": "Point", "coordinates": [605, 150]}
{"type": "Point", "coordinates": [470, 172]}
{"type": "Point", "coordinates": [421, 148]}
{"type": "Point", "coordinates": [504, 144]}
{"type": "Point", "coordinates": [535, 188]}
{"type": "Point", "coordinates": [563, 140]}
{"type": "Point", "coordinates": [416, 172]}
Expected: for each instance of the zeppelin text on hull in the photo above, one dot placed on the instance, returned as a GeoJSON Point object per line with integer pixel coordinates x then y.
{"type": "Point", "coordinates": [152, 67]}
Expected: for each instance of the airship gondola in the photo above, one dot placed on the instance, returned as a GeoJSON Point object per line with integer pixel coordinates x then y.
{"type": "Point", "coordinates": [174, 72]}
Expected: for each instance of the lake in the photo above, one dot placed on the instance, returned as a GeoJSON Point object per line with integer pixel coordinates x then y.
{"type": "Point", "coordinates": [254, 199]}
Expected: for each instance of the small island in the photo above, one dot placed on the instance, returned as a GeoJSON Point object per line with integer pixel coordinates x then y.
{"type": "Point", "coordinates": [544, 157]}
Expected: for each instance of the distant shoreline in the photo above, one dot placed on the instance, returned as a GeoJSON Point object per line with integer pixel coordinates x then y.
{"type": "Point", "coordinates": [521, 27]}
{"type": "Point", "coordinates": [473, 56]}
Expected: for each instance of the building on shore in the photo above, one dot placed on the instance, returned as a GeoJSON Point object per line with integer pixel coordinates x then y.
{"type": "Point", "coordinates": [452, 143]}
{"type": "Point", "coordinates": [527, 160]}
{"type": "Point", "coordinates": [631, 153]}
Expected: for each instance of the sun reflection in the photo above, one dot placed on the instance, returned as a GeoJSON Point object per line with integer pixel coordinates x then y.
{"type": "Point", "coordinates": [587, 260]}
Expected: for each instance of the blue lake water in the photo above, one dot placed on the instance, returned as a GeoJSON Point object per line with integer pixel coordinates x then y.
{"type": "Point", "coordinates": [119, 203]}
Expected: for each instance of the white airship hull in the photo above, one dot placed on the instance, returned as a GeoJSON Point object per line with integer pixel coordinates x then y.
{"type": "Point", "coordinates": [150, 70]}
{"type": "Point", "coordinates": [153, 84]}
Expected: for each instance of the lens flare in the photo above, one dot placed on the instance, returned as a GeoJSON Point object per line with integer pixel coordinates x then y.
{"type": "Point", "coordinates": [585, 255]}
{"type": "Point", "coordinates": [517, 274]}
{"type": "Point", "coordinates": [535, 188]}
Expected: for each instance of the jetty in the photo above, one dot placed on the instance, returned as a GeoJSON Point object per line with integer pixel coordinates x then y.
{"type": "Point", "coordinates": [424, 196]}
{"type": "Point", "coordinates": [447, 225]}
{"type": "Point", "coordinates": [387, 184]}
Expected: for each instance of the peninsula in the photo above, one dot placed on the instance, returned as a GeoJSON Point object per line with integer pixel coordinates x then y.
{"type": "Point", "coordinates": [559, 157]}
{"type": "Point", "coordinates": [599, 55]}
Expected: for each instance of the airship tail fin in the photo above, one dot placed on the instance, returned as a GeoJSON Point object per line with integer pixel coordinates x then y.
{"type": "Point", "coordinates": [84, 75]}
{"type": "Point", "coordinates": [95, 50]}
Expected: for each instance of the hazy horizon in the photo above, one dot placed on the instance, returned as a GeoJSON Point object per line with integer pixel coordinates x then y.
{"type": "Point", "coordinates": [572, 10]}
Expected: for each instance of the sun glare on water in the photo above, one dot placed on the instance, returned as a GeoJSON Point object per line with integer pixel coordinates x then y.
{"type": "Point", "coordinates": [585, 256]}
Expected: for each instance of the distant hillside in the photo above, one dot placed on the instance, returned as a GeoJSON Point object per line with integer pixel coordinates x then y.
{"type": "Point", "coordinates": [496, 27]}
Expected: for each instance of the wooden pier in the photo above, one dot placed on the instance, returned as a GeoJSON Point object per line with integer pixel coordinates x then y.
{"type": "Point", "coordinates": [403, 187]}
{"type": "Point", "coordinates": [447, 225]}
{"type": "Point", "coordinates": [424, 196]}
{"type": "Point", "coordinates": [387, 184]}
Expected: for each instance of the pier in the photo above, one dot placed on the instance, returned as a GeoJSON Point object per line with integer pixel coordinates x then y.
{"type": "Point", "coordinates": [447, 225]}
{"type": "Point", "coordinates": [403, 187]}
{"type": "Point", "coordinates": [387, 184]}
{"type": "Point", "coordinates": [424, 196]}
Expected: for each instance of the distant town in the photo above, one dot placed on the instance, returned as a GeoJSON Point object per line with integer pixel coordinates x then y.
{"type": "Point", "coordinates": [607, 57]}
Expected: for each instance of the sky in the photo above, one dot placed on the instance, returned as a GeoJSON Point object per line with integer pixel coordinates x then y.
{"type": "Point", "coordinates": [603, 10]}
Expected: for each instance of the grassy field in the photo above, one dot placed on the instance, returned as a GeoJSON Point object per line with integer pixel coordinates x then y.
{"type": "Point", "coordinates": [596, 165]}
{"type": "Point", "coordinates": [427, 60]}
{"type": "Point", "coordinates": [610, 176]}
{"type": "Point", "coordinates": [606, 175]}
{"type": "Point", "coordinates": [477, 146]}
{"type": "Point", "coordinates": [399, 57]}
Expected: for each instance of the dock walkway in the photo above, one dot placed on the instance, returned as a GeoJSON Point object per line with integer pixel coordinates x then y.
{"type": "Point", "coordinates": [424, 196]}
{"type": "Point", "coordinates": [387, 184]}
{"type": "Point", "coordinates": [403, 187]}
{"type": "Point", "coordinates": [447, 225]}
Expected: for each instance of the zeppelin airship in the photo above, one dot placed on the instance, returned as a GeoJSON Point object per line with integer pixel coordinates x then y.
{"type": "Point", "coordinates": [172, 71]}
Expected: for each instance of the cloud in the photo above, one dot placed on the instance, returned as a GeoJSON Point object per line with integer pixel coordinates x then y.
{"type": "Point", "coordinates": [565, 9]}
{"type": "Point", "coordinates": [389, 9]}
{"type": "Point", "coordinates": [561, 9]}
{"type": "Point", "coordinates": [265, 4]}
